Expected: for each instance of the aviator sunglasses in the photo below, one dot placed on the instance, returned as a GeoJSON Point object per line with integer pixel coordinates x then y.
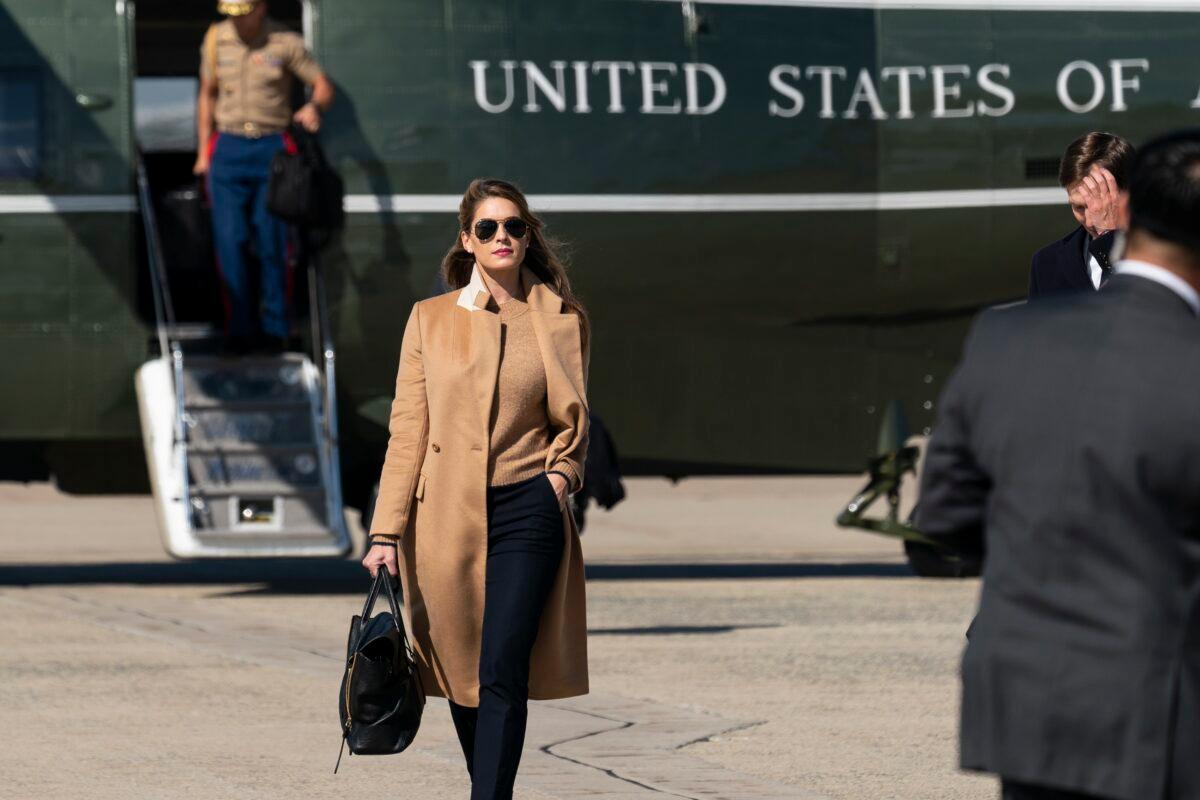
{"type": "Point", "coordinates": [516, 227]}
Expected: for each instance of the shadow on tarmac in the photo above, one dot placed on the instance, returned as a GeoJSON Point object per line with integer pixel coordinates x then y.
{"type": "Point", "coordinates": [327, 576]}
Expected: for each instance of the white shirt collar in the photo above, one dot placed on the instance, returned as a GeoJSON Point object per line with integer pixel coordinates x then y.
{"type": "Point", "coordinates": [1163, 277]}
{"type": "Point", "coordinates": [469, 295]}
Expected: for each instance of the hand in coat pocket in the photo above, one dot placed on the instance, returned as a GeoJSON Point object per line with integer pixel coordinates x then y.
{"type": "Point", "coordinates": [559, 484]}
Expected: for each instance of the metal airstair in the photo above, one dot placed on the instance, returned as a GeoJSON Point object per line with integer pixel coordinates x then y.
{"type": "Point", "coordinates": [242, 451]}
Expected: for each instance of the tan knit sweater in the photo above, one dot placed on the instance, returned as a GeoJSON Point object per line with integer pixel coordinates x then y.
{"type": "Point", "coordinates": [519, 426]}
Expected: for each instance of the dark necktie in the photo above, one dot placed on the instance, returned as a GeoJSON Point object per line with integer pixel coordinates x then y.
{"type": "Point", "coordinates": [1099, 249]}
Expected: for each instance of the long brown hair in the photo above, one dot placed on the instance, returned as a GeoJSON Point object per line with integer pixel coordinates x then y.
{"type": "Point", "coordinates": [541, 253]}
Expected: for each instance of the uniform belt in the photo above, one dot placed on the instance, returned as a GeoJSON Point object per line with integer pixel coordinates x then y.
{"type": "Point", "coordinates": [250, 130]}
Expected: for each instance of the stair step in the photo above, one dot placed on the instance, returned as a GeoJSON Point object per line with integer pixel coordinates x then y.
{"type": "Point", "coordinates": [193, 331]}
{"type": "Point", "coordinates": [297, 470]}
{"type": "Point", "coordinates": [239, 362]}
{"type": "Point", "coordinates": [254, 489]}
{"type": "Point", "coordinates": [259, 535]}
{"type": "Point", "coordinates": [212, 404]}
{"type": "Point", "coordinates": [209, 381]}
{"type": "Point", "coordinates": [271, 425]}
{"type": "Point", "coordinates": [241, 447]}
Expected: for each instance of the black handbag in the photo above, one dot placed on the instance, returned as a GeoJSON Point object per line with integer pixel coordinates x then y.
{"type": "Point", "coordinates": [303, 189]}
{"type": "Point", "coordinates": [381, 697]}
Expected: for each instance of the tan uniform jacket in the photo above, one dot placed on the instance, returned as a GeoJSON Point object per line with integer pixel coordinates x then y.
{"type": "Point", "coordinates": [254, 81]}
{"type": "Point", "coordinates": [433, 489]}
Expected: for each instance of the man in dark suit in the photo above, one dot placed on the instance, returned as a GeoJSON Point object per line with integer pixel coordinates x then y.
{"type": "Point", "coordinates": [1069, 440]}
{"type": "Point", "coordinates": [1094, 171]}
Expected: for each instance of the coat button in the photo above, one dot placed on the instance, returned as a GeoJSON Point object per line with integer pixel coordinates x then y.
{"type": "Point", "coordinates": [436, 449]}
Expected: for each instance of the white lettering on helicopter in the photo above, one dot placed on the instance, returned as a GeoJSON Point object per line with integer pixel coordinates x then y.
{"type": "Point", "coordinates": [948, 84]}
{"type": "Point", "coordinates": [938, 91]}
{"type": "Point", "coordinates": [662, 87]}
{"type": "Point", "coordinates": [1095, 77]}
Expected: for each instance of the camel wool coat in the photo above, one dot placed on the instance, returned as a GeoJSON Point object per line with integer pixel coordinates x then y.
{"type": "Point", "coordinates": [433, 487]}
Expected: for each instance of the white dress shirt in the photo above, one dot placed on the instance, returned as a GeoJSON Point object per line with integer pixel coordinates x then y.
{"type": "Point", "coordinates": [1163, 277]}
{"type": "Point", "coordinates": [1095, 271]}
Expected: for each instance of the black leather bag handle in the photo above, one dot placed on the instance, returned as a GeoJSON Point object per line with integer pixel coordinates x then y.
{"type": "Point", "coordinates": [389, 585]}
{"type": "Point", "coordinates": [382, 578]}
{"type": "Point", "coordinates": [307, 146]}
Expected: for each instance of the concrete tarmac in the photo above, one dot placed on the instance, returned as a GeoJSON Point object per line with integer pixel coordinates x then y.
{"type": "Point", "coordinates": [741, 646]}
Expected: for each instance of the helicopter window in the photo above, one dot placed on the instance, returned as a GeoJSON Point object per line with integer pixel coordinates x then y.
{"type": "Point", "coordinates": [165, 114]}
{"type": "Point", "coordinates": [20, 125]}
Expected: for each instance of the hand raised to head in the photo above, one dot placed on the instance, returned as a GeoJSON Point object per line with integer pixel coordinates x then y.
{"type": "Point", "coordinates": [1105, 202]}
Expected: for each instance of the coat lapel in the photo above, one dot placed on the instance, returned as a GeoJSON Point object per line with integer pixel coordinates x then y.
{"type": "Point", "coordinates": [485, 364]}
{"type": "Point", "coordinates": [558, 337]}
{"type": "Point", "coordinates": [482, 346]}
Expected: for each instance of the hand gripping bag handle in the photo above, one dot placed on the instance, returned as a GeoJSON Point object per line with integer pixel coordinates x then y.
{"type": "Point", "coordinates": [382, 578]}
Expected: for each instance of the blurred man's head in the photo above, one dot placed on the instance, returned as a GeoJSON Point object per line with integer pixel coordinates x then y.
{"type": "Point", "coordinates": [1164, 202]}
{"type": "Point", "coordinates": [1105, 151]}
{"type": "Point", "coordinates": [247, 15]}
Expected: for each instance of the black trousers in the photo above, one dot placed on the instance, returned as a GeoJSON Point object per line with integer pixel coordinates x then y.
{"type": "Point", "coordinates": [525, 546]}
{"type": "Point", "coordinates": [1026, 791]}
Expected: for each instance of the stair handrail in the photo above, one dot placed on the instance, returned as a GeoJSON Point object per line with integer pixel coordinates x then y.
{"type": "Point", "coordinates": [180, 433]}
{"type": "Point", "coordinates": [325, 354]}
{"type": "Point", "coordinates": [164, 309]}
{"type": "Point", "coordinates": [164, 319]}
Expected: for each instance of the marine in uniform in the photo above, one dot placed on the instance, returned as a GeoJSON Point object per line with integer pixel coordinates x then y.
{"type": "Point", "coordinates": [248, 63]}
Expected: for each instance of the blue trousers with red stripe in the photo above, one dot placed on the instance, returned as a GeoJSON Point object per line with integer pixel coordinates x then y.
{"type": "Point", "coordinates": [237, 186]}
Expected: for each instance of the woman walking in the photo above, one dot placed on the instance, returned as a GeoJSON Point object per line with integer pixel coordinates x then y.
{"type": "Point", "coordinates": [488, 432]}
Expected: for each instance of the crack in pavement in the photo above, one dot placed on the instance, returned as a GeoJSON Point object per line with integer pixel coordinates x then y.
{"type": "Point", "coordinates": [710, 737]}
{"type": "Point", "coordinates": [638, 749]}
{"type": "Point", "coordinates": [649, 747]}
{"type": "Point", "coordinates": [622, 725]}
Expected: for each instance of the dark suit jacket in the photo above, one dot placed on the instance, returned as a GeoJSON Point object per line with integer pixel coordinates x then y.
{"type": "Point", "coordinates": [1060, 266]}
{"type": "Point", "coordinates": [1069, 436]}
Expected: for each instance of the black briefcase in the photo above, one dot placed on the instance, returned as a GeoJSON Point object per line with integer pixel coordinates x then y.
{"type": "Point", "coordinates": [381, 697]}
{"type": "Point", "coordinates": [290, 188]}
{"type": "Point", "coordinates": [303, 189]}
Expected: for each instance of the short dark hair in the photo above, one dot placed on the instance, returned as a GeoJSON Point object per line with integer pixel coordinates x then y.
{"type": "Point", "coordinates": [1096, 149]}
{"type": "Point", "coordinates": [1164, 191]}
